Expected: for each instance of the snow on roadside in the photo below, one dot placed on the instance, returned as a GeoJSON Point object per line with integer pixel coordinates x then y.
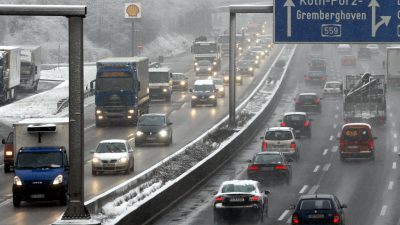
{"type": "Point", "coordinates": [167, 46]}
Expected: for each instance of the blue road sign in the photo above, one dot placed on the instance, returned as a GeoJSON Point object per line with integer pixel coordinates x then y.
{"type": "Point", "coordinates": [336, 21]}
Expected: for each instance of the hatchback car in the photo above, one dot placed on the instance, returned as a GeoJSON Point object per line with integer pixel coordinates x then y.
{"type": "Point", "coordinates": [153, 128]}
{"type": "Point", "coordinates": [237, 197]}
{"type": "Point", "coordinates": [179, 81]}
{"type": "Point", "coordinates": [318, 209]}
{"type": "Point", "coordinates": [299, 121]}
{"type": "Point", "coordinates": [269, 165]}
{"type": "Point", "coordinates": [356, 141]}
{"type": "Point", "coordinates": [308, 102]}
{"type": "Point", "coordinates": [333, 88]}
{"type": "Point", "coordinates": [204, 93]}
{"type": "Point", "coordinates": [113, 156]}
{"type": "Point", "coordinates": [280, 139]}
{"type": "Point", "coordinates": [317, 65]}
{"type": "Point", "coordinates": [219, 85]}
{"type": "Point", "coordinates": [317, 76]}
{"type": "Point", "coordinates": [245, 67]}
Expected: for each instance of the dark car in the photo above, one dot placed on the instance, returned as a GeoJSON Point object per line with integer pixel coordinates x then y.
{"type": "Point", "coordinates": [252, 56]}
{"type": "Point", "coordinates": [308, 102]}
{"type": "Point", "coordinates": [269, 165]}
{"type": "Point", "coordinates": [299, 121]}
{"type": "Point", "coordinates": [153, 128]}
{"type": "Point", "coordinates": [204, 68]}
{"type": "Point", "coordinates": [179, 81]}
{"type": "Point", "coordinates": [204, 93]}
{"type": "Point", "coordinates": [364, 54]}
{"type": "Point", "coordinates": [8, 152]}
{"type": "Point", "coordinates": [240, 197]}
{"type": "Point", "coordinates": [315, 76]}
{"type": "Point", "coordinates": [245, 67]}
{"type": "Point", "coordinates": [317, 65]}
{"type": "Point", "coordinates": [318, 209]}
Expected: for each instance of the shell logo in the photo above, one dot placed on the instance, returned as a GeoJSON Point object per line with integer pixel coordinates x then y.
{"type": "Point", "coordinates": [132, 10]}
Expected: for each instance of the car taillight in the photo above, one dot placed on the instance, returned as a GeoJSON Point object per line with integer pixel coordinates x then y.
{"type": "Point", "coordinates": [336, 218]}
{"type": "Point", "coordinates": [341, 145]}
{"type": "Point", "coordinates": [218, 199]}
{"type": "Point", "coordinates": [295, 219]}
{"type": "Point", "coordinates": [371, 144]}
{"type": "Point", "coordinates": [253, 168]}
{"type": "Point", "coordinates": [255, 199]}
{"type": "Point", "coordinates": [307, 123]}
{"type": "Point", "coordinates": [264, 145]}
{"type": "Point", "coordinates": [317, 101]}
{"type": "Point", "coordinates": [293, 145]}
{"type": "Point", "coordinates": [281, 167]}
{"type": "Point", "coordinates": [283, 124]}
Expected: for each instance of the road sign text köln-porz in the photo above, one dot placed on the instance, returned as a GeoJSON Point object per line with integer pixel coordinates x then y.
{"type": "Point", "coordinates": [340, 21]}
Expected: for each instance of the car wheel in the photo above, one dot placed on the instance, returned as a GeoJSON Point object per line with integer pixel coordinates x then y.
{"type": "Point", "coordinates": [7, 168]}
{"type": "Point", "coordinates": [128, 169]}
{"type": "Point", "coordinates": [215, 104]}
{"type": "Point", "coordinates": [16, 201]}
{"type": "Point", "coordinates": [63, 199]}
{"type": "Point", "coordinates": [133, 167]}
{"type": "Point", "coordinates": [94, 172]}
{"type": "Point", "coordinates": [288, 179]}
{"type": "Point", "coordinates": [309, 134]}
{"type": "Point", "coordinates": [193, 105]}
{"type": "Point", "coordinates": [373, 156]}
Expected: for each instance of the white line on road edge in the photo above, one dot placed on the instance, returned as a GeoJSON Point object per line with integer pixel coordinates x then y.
{"type": "Point", "coordinates": [313, 189]}
{"type": "Point", "coordinates": [183, 105]}
{"type": "Point", "coordinates": [383, 211]}
{"type": "Point", "coordinates": [90, 126]}
{"type": "Point", "coordinates": [131, 139]}
{"type": "Point", "coordinates": [172, 112]}
{"type": "Point", "coordinates": [331, 138]}
{"type": "Point", "coordinates": [394, 166]}
{"type": "Point", "coordinates": [395, 149]}
{"type": "Point", "coordinates": [326, 167]}
{"type": "Point", "coordinates": [6, 202]}
{"type": "Point", "coordinates": [334, 126]}
{"type": "Point", "coordinates": [325, 151]}
{"type": "Point", "coordinates": [303, 189]}
{"type": "Point", "coordinates": [395, 135]}
{"type": "Point", "coordinates": [335, 148]}
{"type": "Point", "coordinates": [390, 187]}
{"type": "Point", "coordinates": [316, 168]}
{"type": "Point", "coordinates": [283, 215]}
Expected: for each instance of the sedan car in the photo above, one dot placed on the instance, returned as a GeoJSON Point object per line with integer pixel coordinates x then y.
{"type": "Point", "coordinates": [318, 209]}
{"type": "Point", "coordinates": [313, 76]}
{"type": "Point", "coordinates": [204, 93]}
{"type": "Point", "coordinates": [269, 165]}
{"type": "Point", "coordinates": [113, 156]}
{"type": "Point", "coordinates": [245, 67]}
{"type": "Point", "coordinates": [153, 128]}
{"type": "Point", "coordinates": [299, 121]}
{"type": "Point", "coordinates": [179, 81]}
{"type": "Point", "coordinates": [333, 88]}
{"type": "Point", "coordinates": [238, 197]}
{"type": "Point", "coordinates": [280, 139]}
{"type": "Point", "coordinates": [308, 102]}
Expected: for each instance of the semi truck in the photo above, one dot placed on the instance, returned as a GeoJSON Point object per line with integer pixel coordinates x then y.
{"type": "Point", "coordinates": [393, 66]}
{"type": "Point", "coordinates": [121, 90]}
{"type": "Point", "coordinates": [41, 168]}
{"type": "Point", "coordinates": [207, 50]}
{"type": "Point", "coordinates": [10, 65]}
{"type": "Point", "coordinates": [30, 67]}
{"type": "Point", "coordinates": [160, 83]}
{"type": "Point", "coordinates": [365, 98]}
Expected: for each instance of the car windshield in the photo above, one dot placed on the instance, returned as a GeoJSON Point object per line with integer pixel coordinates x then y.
{"type": "Point", "coordinates": [204, 63]}
{"type": "Point", "coordinates": [110, 147]}
{"type": "Point", "coordinates": [268, 159]}
{"type": "Point", "coordinates": [312, 204]}
{"type": "Point", "coordinates": [203, 88]}
{"type": "Point", "coordinates": [332, 85]}
{"type": "Point", "coordinates": [295, 117]}
{"type": "Point", "coordinates": [246, 188]}
{"type": "Point", "coordinates": [218, 82]}
{"type": "Point", "coordinates": [278, 135]}
{"type": "Point", "coordinates": [178, 76]}
{"type": "Point", "coordinates": [158, 77]}
{"type": "Point", "coordinates": [151, 120]}
{"type": "Point", "coordinates": [37, 160]}
{"type": "Point", "coordinates": [356, 134]}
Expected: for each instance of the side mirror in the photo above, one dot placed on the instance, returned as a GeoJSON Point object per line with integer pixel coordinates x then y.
{"type": "Point", "coordinates": [3, 141]}
{"type": "Point", "coordinates": [92, 151]}
{"type": "Point", "coordinates": [215, 192]}
{"type": "Point", "coordinates": [292, 207]}
{"type": "Point", "coordinates": [169, 123]}
{"type": "Point", "coordinates": [249, 160]}
{"type": "Point", "coordinates": [344, 206]}
{"type": "Point", "coordinates": [375, 138]}
{"type": "Point", "coordinates": [320, 98]}
{"type": "Point", "coordinates": [267, 192]}
{"type": "Point", "coordinates": [92, 85]}
{"type": "Point", "coordinates": [261, 138]}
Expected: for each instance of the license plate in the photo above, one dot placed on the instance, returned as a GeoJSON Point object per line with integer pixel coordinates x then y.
{"type": "Point", "coordinates": [236, 200]}
{"type": "Point", "coordinates": [267, 169]}
{"type": "Point", "coordinates": [353, 147]}
{"type": "Point", "coordinates": [151, 138]}
{"type": "Point", "coordinates": [297, 131]}
{"type": "Point", "coordinates": [108, 165]}
{"type": "Point", "coordinates": [316, 216]}
{"type": "Point", "coordinates": [276, 146]}
{"type": "Point", "coordinates": [37, 196]}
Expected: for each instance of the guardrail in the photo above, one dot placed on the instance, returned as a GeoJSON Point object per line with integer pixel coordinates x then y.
{"type": "Point", "coordinates": [169, 194]}
{"type": "Point", "coordinates": [64, 103]}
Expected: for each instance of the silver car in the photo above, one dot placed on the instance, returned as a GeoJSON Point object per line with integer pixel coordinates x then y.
{"type": "Point", "coordinates": [280, 139]}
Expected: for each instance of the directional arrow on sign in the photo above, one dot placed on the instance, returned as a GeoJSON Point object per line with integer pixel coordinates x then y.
{"type": "Point", "coordinates": [289, 4]}
{"type": "Point", "coordinates": [385, 19]}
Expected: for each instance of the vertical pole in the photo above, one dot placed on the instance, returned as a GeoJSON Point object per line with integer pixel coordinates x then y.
{"type": "Point", "coordinates": [232, 72]}
{"type": "Point", "coordinates": [76, 208]}
{"type": "Point", "coordinates": [133, 39]}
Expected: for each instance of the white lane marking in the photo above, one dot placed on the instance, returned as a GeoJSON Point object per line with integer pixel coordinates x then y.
{"type": "Point", "coordinates": [326, 167]}
{"type": "Point", "coordinates": [395, 135]}
{"type": "Point", "coordinates": [334, 126]}
{"type": "Point", "coordinates": [303, 189]}
{"type": "Point", "coordinates": [289, 220]}
{"type": "Point", "coordinates": [183, 105]}
{"type": "Point", "coordinates": [331, 138]}
{"type": "Point", "coordinates": [383, 211]}
{"type": "Point", "coordinates": [131, 135]}
{"type": "Point", "coordinates": [313, 189]}
{"type": "Point", "coordinates": [337, 107]}
{"type": "Point", "coordinates": [335, 148]}
{"type": "Point", "coordinates": [90, 126]}
{"type": "Point", "coordinates": [6, 202]}
{"type": "Point", "coordinates": [395, 149]}
{"type": "Point", "coordinates": [393, 124]}
{"type": "Point", "coordinates": [283, 215]}
{"type": "Point", "coordinates": [131, 139]}
{"type": "Point", "coordinates": [325, 151]}
{"type": "Point", "coordinates": [336, 116]}
{"type": "Point", "coordinates": [172, 112]}
{"type": "Point", "coordinates": [338, 134]}
{"type": "Point", "coordinates": [394, 166]}
{"type": "Point", "coordinates": [316, 168]}
{"type": "Point", "coordinates": [390, 187]}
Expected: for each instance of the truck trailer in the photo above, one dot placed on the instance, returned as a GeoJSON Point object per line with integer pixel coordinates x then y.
{"type": "Point", "coordinates": [41, 165]}
{"type": "Point", "coordinates": [30, 67]}
{"type": "Point", "coordinates": [122, 90]}
{"type": "Point", "coordinates": [393, 66]}
{"type": "Point", "coordinates": [10, 64]}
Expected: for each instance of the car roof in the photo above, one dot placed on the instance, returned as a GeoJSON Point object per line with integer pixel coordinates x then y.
{"type": "Point", "coordinates": [315, 196]}
{"type": "Point", "coordinates": [333, 82]}
{"type": "Point", "coordinates": [160, 69]}
{"type": "Point", "coordinates": [113, 141]}
{"type": "Point", "coordinates": [240, 182]}
{"type": "Point", "coordinates": [269, 153]}
{"type": "Point", "coordinates": [154, 114]}
{"type": "Point", "coordinates": [356, 124]}
{"type": "Point", "coordinates": [279, 128]}
{"type": "Point", "coordinates": [295, 113]}
{"type": "Point", "coordinates": [203, 82]}
{"type": "Point", "coordinates": [308, 93]}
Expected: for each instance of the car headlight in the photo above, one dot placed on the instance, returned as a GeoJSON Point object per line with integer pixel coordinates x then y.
{"type": "Point", "coordinates": [214, 63]}
{"type": "Point", "coordinates": [9, 153]}
{"type": "Point", "coordinates": [58, 179]}
{"type": "Point", "coordinates": [163, 133]}
{"type": "Point", "coordinates": [240, 48]}
{"type": "Point", "coordinates": [256, 61]}
{"type": "Point", "coordinates": [100, 117]}
{"type": "Point", "coordinates": [17, 181]}
{"type": "Point", "coordinates": [95, 160]}
{"type": "Point", "coordinates": [209, 68]}
{"type": "Point", "coordinates": [221, 89]}
{"type": "Point", "coordinates": [226, 78]}
{"type": "Point", "coordinates": [196, 63]}
{"type": "Point", "coordinates": [139, 133]}
{"type": "Point", "coordinates": [183, 83]}
{"type": "Point", "coordinates": [194, 97]}
{"type": "Point", "coordinates": [257, 57]}
{"type": "Point", "coordinates": [131, 111]}
{"type": "Point", "coordinates": [262, 53]}
{"type": "Point", "coordinates": [164, 90]}
{"type": "Point", "coordinates": [212, 96]}
{"type": "Point", "coordinates": [269, 46]}
{"type": "Point", "coordinates": [238, 77]}
{"type": "Point", "coordinates": [251, 69]}
{"type": "Point", "coordinates": [197, 69]}
{"type": "Point", "coordinates": [123, 160]}
{"type": "Point", "coordinates": [98, 111]}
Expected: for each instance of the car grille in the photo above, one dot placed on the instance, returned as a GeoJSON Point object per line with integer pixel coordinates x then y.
{"type": "Point", "coordinates": [109, 161]}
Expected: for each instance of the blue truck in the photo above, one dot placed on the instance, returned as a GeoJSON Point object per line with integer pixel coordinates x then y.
{"type": "Point", "coordinates": [121, 90]}
{"type": "Point", "coordinates": [41, 167]}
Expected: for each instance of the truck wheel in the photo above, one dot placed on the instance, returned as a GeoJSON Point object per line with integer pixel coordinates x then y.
{"type": "Point", "coordinates": [133, 167]}
{"type": "Point", "coordinates": [128, 170]}
{"type": "Point", "coordinates": [63, 199]}
{"type": "Point", "coordinates": [7, 168]}
{"type": "Point", "coordinates": [16, 201]}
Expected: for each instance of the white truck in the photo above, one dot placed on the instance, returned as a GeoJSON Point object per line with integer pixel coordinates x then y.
{"type": "Point", "coordinates": [30, 67]}
{"type": "Point", "coordinates": [10, 65]}
{"type": "Point", "coordinates": [393, 66]}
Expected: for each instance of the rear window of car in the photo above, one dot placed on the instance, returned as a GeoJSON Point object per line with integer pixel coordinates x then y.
{"type": "Point", "coordinates": [278, 135]}
{"type": "Point", "coordinates": [238, 188]}
{"type": "Point", "coordinates": [267, 158]}
{"type": "Point", "coordinates": [295, 118]}
{"type": "Point", "coordinates": [307, 97]}
{"type": "Point", "coordinates": [355, 134]}
{"type": "Point", "coordinates": [109, 147]}
{"type": "Point", "coordinates": [332, 85]}
{"type": "Point", "coordinates": [311, 204]}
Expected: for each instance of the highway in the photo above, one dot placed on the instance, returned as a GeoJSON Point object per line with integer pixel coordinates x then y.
{"type": "Point", "coordinates": [369, 188]}
{"type": "Point", "coordinates": [188, 124]}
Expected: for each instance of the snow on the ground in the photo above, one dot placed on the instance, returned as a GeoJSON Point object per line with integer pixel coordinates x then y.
{"type": "Point", "coordinates": [168, 45]}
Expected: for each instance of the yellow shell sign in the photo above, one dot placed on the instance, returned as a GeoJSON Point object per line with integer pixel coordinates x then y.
{"type": "Point", "coordinates": [133, 10]}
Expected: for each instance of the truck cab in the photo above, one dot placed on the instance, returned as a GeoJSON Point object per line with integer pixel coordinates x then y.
{"type": "Point", "coordinates": [160, 83]}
